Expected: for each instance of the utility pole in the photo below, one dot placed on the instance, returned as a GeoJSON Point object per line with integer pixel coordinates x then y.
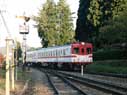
{"type": "Point", "coordinates": [7, 67]}
{"type": "Point", "coordinates": [12, 71]}
{"type": "Point", "coordinates": [8, 39]}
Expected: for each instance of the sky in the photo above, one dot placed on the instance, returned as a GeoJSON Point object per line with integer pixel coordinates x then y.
{"type": "Point", "coordinates": [12, 8]}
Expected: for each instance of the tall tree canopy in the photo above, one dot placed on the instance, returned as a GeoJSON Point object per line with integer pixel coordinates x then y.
{"type": "Point", "coordinates": [54, 24]}
{"type": "Point", "coordinates": [82, 25]}
{"type": "Point", "coordinates": [115, 31]}
{"type": "Point", "coordinates": [94, 14]}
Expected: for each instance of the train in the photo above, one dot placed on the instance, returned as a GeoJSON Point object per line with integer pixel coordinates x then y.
{"type": "Point", "coordinates": [67, 56]}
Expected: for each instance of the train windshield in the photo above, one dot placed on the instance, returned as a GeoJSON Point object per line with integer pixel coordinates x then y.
{"type": "Point", "coordinates": [88, 50]}
{"type": "Point", "coordinates": [76, 51]}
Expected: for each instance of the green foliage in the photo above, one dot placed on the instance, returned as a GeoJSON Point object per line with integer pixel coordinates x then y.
{"type": "Point", "coordinates": [94, 14]}
{"type": "Point", "coordinates": [18, 50]}
{"type": "Point", "coordinates": [116, 66]}
{"type": "Point", "coordinates": [46, 23]}
{"type": "Point", "coordinates": [110, 54]}
{"type": "Point", "coordinates": [2, 72]}
{"type": "Point", "coordinates": [83, 26]}
{"type": "Point", "coordinates": [54, 25]}
{"type": "Point", "coordinates": [65, 27]}
{"type": "Point", "coordinates": [115, 31]}
{"type": "Point", "coordinates": [101, 11]}
{"type": "Point", "coordinates": [104, 10]}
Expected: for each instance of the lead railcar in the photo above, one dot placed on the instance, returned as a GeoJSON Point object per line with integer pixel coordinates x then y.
{"type": "Point", "coordinates": [67, 56]}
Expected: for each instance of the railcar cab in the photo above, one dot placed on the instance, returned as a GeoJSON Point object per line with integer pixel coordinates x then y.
{"type": "Point", "coordinates": [81, 48]}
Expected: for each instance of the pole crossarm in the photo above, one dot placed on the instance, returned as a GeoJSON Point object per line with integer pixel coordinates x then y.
{"type": "Point", "coordinates": [26, 18]}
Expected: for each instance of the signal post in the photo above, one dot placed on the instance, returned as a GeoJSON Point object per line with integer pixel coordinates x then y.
{"type": "Point", "coordinates": [24, 29]}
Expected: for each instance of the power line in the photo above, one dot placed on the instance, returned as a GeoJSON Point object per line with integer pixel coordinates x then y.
{"type": "Point", "coordinates": [5, 24]}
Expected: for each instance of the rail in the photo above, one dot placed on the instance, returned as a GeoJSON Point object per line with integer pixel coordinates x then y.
{"type": "Point", "coordinates": [114, 89]}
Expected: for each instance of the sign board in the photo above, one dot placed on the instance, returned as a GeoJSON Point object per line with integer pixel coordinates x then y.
{"type": "Point", "coordinates": [23, 29]}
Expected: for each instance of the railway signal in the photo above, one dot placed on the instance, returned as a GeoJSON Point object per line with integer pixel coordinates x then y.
{"type": "Point", "coordinates": [24, 29]}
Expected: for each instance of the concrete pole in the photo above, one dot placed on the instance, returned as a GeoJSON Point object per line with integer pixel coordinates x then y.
{"type": "Point", "coordinates": [82, 70]}
{"type": "Point", "coordinates": [12, 71]}
{"type": "Point", "coordinates": [7, 68]}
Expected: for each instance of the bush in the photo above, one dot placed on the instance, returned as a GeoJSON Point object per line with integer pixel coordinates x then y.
{"type": "Point", "coordinates": [112, 66]}
{"type": "Point", "coordinates": [110, 54]}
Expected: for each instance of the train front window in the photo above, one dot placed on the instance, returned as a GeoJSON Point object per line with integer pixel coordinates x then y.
{"type": "Point", "coordinates": [88, 50]}
{"type": "Point", "coordinates": [76, 50]}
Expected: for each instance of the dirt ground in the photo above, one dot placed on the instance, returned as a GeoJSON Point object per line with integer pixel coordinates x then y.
{"type": "Point", "coordinates": [32, 82]}
{"type": "Point", "coordinates": [38, 85]}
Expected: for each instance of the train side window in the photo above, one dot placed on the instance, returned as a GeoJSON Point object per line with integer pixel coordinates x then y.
{"type": "Point", "coordinates": [76, 50]}
{"type": "Point", "coordinates": [64, 52]}
{"type": "Point", "coordinates": [42, 54]}
{"type": "Point", "coordinates": [51, 53]}
{"type": "Point", "coordinates": [88, 50]}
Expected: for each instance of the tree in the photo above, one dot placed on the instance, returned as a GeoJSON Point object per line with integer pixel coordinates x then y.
{"type": "Point", "coordinates": [18, 50]}
{"type": "Point", "coordinates": [94, 14]}
{"type": "Point", "coordinates": [115, 31]}
{"type": "Point", "coordinates": [65, 24]}
{"type": "Point", "coordinates": [46, 29]}
{"type": "Point", "coordinates": [82, 25]}
{"type": "Point", "coordinates": [101, 11]}
{"type": "Point", "coordinates": [54, 27]}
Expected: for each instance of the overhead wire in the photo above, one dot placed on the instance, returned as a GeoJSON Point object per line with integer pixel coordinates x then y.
{"type": "Point", "coordinates": [5, 24]}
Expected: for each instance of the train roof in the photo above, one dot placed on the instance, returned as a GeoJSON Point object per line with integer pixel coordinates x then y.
{"type": "Point", "coordinates": [50, 48]}
{"type": "Point", "coordinates": [75, 43]}
{"type": "Point", "coordinates": [55, 47]}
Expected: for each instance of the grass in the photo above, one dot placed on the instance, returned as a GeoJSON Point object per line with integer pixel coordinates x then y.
{"type": "Point", "coordinates": [22, 76]}
{"type": "Point", "coordinates": [2, 78]}
{"type": "Point", "coordinates": [2, 73]}
{"type": "Point", "coordinates": [2, 83]}
{"type": "Point", "coordinates": [109, 66]}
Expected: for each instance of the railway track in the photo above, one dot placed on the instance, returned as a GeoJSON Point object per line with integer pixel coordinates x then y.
{"type": "Point", "coordinates": [103, 86]}
{"type": "Point", "coordinates": [62, 86]}
{"type": "Point", "coordinates": [110, 74]}
{"type": "Point", "coordinates": [85, 86]}
{"type": "Point", "coordinates": [120, 81]}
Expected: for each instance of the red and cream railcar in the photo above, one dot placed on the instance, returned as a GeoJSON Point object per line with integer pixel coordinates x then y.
{"type": "Point", "coordinates": [75, 53]}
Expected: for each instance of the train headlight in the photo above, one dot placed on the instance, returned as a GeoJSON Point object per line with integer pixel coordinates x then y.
{"type": "Point", "coordinates": [82, 43]}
